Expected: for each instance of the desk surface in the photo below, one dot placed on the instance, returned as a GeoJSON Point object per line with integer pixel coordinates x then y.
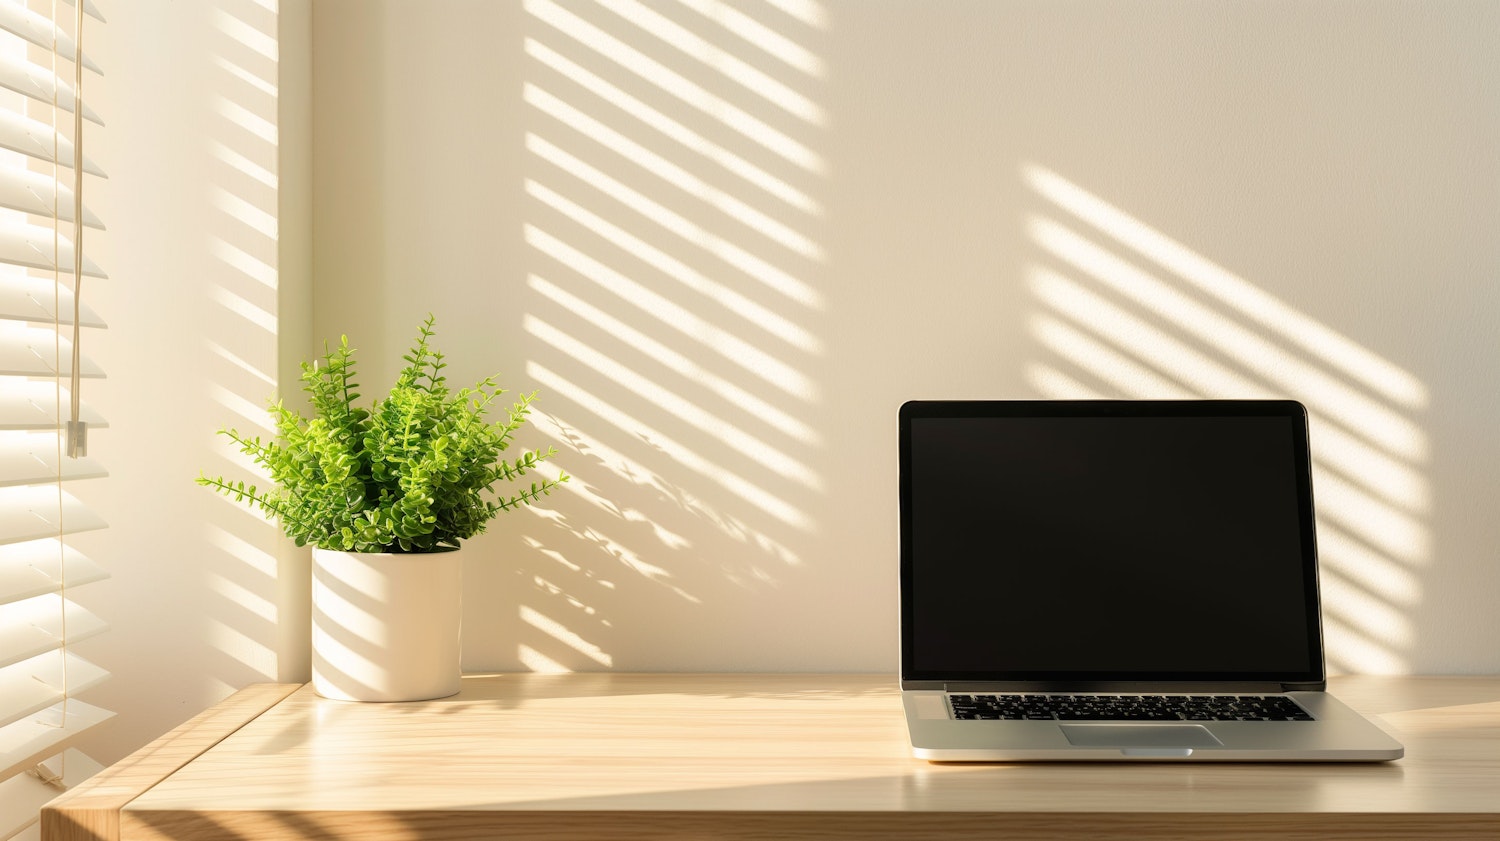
{"type": "Point", "coordinates": [747, 756]}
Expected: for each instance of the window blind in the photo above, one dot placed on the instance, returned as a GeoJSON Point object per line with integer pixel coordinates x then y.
{"type": "Point", "coordinates": [43, 421]}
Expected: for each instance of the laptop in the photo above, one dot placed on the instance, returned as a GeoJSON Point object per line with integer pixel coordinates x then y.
{"type": "Point", "coordinates": [1115, 580]}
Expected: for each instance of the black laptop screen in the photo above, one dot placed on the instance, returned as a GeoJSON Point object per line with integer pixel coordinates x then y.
{"type": "Point", "coordinates": [1099, 540]}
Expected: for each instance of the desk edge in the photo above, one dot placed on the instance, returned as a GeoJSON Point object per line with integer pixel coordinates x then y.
{"type": "Point", "coordinates": [91, 810]}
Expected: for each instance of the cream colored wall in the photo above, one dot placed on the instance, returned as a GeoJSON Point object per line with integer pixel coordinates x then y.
{"type": "Point", "coordinates": [207, 206]}
{"type": "Point", "coordinates": [726, 241]}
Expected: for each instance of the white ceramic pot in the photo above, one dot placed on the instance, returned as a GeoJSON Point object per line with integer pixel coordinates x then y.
{"type": "Point", "coordinates": [385, 627]}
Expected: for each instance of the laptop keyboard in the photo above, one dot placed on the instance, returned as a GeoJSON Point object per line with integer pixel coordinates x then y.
{"type": "Point", "coordinates": [1127, 708]}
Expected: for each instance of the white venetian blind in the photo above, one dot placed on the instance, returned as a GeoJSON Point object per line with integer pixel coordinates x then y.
{"type": "Point", "coordinates": [44, 78]}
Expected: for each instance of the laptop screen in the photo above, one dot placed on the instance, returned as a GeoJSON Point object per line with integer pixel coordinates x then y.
{"type": "Point", "coordinates": [1107, 540]}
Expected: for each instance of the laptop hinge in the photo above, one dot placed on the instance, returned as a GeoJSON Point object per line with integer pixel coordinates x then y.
{"type": "Point", "coordinates": [1306, 686]}
{"type": "Point", "coordinates": [1126, 687]}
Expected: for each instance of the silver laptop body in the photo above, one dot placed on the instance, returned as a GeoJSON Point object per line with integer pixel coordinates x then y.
{"type": "Point", "coordinates": [1115, 580]}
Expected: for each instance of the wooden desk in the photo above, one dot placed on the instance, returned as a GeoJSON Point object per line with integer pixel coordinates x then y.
{"type": "Point", "coordinates": [747, 757]}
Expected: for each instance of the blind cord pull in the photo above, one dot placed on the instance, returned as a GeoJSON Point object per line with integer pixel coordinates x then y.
{"type": "Point", "coordinates": [78, 431]}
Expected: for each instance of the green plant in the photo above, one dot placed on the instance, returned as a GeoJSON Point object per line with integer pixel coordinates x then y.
{"type": "Point", "coordinates": [413, 473]}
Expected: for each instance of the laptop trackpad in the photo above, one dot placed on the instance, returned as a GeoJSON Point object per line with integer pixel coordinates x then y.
{"type": "Point", "coordinates": [1139, 735]}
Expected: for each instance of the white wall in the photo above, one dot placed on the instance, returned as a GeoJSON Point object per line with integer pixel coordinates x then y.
{"type": "Point", "coordinates": [725, 242]}
{"type": "Point", "coordinates": [727, 268]}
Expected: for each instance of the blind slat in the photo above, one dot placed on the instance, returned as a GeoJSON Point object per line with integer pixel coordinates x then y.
{"type": "Point", "coordinates": [37, 29]}
{"type": "Point", "coordinates": [30, 741]}
{"type": "Point", "coordinates": [36, 139]}
{"type": "Point", "coordinates": [35, 463]}
{"type": "Point", "coordinates": [32, 299]}
{"type": "Point", "coordinates": [33, 248]}
{"type": "Point", "coordinates": [39, 567]}
{"type": "Point", "coordinates": [23, 796]}
{"type": "Point", "coordinates": [37, 83]}
{"type": "Point", "coordinates": [36, 192]}
{"type": "Point", "coordinates": [33, 404]}
{"type": "Point", "coordinates": [35, 626]}
{"type": "Point", "coordinates": [34, 513]}
{"type": "Point", "coordinates": [33, 685]}
{"type": "Point", "coordinates": [38, 352]}
{"type": "Point", "coordinates": [21, 800]}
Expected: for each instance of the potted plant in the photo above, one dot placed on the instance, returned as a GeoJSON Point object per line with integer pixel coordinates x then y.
{"type": "Point", "coordinates": [385, 495]}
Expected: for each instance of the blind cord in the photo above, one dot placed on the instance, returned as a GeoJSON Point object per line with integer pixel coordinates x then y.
{"type": "Point", "coordinates": [78, 442]}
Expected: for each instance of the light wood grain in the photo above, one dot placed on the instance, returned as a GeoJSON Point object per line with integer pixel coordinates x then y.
{"type": "Point", "coordinates": [776, 756]}
{"type": "Point", "coordinates": [91, 811]}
